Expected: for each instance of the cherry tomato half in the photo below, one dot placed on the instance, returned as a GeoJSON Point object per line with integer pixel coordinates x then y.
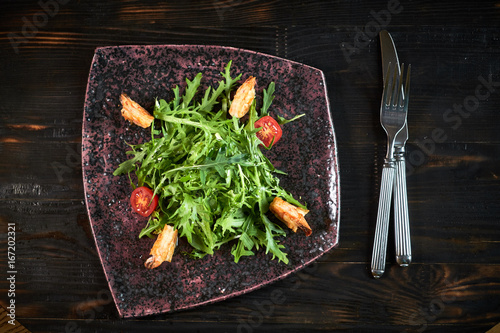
{"type": "Point", "coordinates": [141, 201]}
{"type": "Point", "coordinates": [270, 129]}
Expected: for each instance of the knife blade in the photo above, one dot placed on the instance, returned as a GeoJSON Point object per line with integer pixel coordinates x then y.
{"type": "Point", "coordinates": [401, 216]}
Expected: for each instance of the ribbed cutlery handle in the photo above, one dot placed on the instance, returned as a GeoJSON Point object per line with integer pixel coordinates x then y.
{"type": "Point", "coordinates": [382, 227]}
{"type": "Point", "coordinates": [401, 217]}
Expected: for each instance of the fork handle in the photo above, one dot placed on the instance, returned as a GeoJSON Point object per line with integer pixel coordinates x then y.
{"type": "Point", "coordinates": [401, 218]}
{"type": "Point", "coordinates": [382, 227]}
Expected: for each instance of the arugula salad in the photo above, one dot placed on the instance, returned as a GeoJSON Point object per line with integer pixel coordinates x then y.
{"type": "Point", "coordinates": [203, 175]}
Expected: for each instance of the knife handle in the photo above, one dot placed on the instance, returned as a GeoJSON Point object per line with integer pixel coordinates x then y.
{"type": "Point", "coordinates": [382, 227]}
{"type": "Point", "coordinates": [401, 217]}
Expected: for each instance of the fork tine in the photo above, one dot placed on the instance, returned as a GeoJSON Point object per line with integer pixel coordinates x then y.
{"type": "Point", "coordinates": [387, 83]}
{"type": "Point", "coordinates": [407, 86]}
{"type": "Point", "coordinates": [395, 85]}
{"type": "Point", "coordinates": [400, 86]}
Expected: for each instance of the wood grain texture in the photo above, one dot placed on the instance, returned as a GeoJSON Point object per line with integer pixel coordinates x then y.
{"type": "Point", "coordinates": [9, 325]}
{"type": "Point", "coordinates": [239, 13]}
{"type": "Point", "coordinates": [453, 161]}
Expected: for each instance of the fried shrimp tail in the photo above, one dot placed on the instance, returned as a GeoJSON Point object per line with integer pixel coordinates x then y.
{"type": "Point", "coordinates": [135, 113]}
{"type": "Point", "coordinates": [291, 215]}
{"type": "Point", "coordinates": [243, 98]}
{"type": "Point", "coordinates": [163, 248]}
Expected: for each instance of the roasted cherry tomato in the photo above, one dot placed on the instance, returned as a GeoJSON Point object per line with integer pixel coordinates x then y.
{"type": "Point", "coordinates": [141, 201]}
{"type": "Point", "coordinates": [269, 129]}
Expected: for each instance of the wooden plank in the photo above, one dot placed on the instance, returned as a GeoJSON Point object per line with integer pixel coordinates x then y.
{"type": "Point", "coordinates": [259, 12]}
{"type": "Point", "coordinates": [133, 326]}
{"type": "Point", "coordinates": [323, 297]}
{"type": "Point", "coordinates": [495, 329]}
{"type": "Point", "coordinates": [8, 324]}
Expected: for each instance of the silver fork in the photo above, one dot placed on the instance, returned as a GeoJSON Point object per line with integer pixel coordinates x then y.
{"type": "Point", "coordinates": [393, 110]}
{"type": "Point", "coordinates": [401, 216]}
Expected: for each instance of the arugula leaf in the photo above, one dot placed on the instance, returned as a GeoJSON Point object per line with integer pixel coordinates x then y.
{"type": "Point", "coordinates": [283, 121]}
{"type": "Point", "coordinates": [272, 245]}
{"type": "Point", "coordinates": [229, 81]}
{"type": "Point", "coordinates": [208, 102]}
{"type": "Point", "coordinates": [192, 87]}
{"type": "Point", "coordinates": [129, 165]}
{"type": "Point", "coordinates": [267, 100]}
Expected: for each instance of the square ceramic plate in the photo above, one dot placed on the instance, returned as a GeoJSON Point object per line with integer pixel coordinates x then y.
{"type": "Point", "coordinates": [307, 152]}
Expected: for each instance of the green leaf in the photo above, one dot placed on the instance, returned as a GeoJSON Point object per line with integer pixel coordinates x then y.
{"type": "Point", "coordinates": [229, 81]}
{"type": "Point", "coordinates": [232, 218]}
{"type": "Point", "coordinates": [177, 98]}
{"type": "Point", "coordinates": [267, 100]}
{"type": "Point", "coordinates": [191, 89]}
{"type": "Point", "coordinates": [175, 120]}
{"type": "Point", "coordinates": [283, 121]}
{"type": "Point", "coordinates": [129, 165]}
{"type": "Point", "coordinates": [272, 244]}
{"type": "Point", "coordinates": [240, 249]}
{"type": "Point", "coordinates": [209, 100]}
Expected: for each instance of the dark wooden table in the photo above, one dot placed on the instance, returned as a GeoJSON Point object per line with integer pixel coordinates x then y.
{"type": "Point", "coordinates": [453, 285]}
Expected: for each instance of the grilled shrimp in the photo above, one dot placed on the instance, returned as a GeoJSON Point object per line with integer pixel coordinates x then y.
{"type": "Point", "coordinates": [243, 98]}
{"type": "Point", "coordinates": [291, 215]}
{"type": "Point", "coordinates": [163, 248]}
{"type": "Point", "coordinates": [135, 113]}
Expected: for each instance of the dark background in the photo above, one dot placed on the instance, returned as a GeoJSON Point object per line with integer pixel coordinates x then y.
{"type": "Point", "coordinates": [453, 160]}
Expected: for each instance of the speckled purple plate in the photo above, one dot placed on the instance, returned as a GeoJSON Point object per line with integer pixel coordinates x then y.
{"type": "Point", "coordinates": [307, 152]}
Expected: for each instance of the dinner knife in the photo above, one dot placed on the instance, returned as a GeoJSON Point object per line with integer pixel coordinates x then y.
{"type": "Point", "coordinates": [401, 216]}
